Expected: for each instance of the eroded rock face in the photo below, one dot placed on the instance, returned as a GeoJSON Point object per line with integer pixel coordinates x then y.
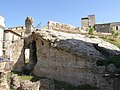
{"type": "Point", "coordinates": [29, 26]}
{"type": "Point", "coordinates": [47, 84]}
{"type": "Point", "coordinates": [28, 85]}
{"type": "Point", "coordinates": [71, 58]}
{"type": "Point", "coordinates": [3, 82]}
{"type": "Point", "coordinates": [111, 68]}
{"type": "Point", "coordinates": [15, 82]}
{"type": "Point", "coordinates": [43, 84]}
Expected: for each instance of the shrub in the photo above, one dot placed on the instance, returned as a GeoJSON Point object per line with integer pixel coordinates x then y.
{"type": "Point", "coordinates": [91, 30]}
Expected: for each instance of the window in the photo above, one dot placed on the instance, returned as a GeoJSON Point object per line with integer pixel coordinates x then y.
{"type": "Point", "coordinates": [116, 27]}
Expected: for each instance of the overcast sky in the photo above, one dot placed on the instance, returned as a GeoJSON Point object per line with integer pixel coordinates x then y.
{"type": "Point", "coordinates": [66, 11]}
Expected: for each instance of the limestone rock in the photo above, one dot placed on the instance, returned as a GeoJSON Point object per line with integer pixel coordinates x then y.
{"type": "Point", "coordinates": [78, 44]}
{"type": "Point", "coordinates": [3, 82]}
{"type": "Point", "coordinates": [71, 58]}
{"type": "Point", "coordinates": [15, 82]}
{"type": "Point", "coordinates": [28, 85]}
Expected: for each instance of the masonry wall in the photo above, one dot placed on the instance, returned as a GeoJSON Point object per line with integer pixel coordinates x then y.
{"type": "Point", "coordinates": [84, 23]}
{"type": "Point", "coordinates": [1, 41]}
{"type": "Point", "coordinates": [91, 20]}
{"type": "Point", "coordinates": [105, 28]}
{"type": "Point", "coordinates": [9, 38]}
{"type": "Point", "coordinates": [2, 26]}
{"type": "Point", "coordinates": [16, 53]}
{"type": "Point", "coordinates": [19, 30]}
{"type": "Point", "coordinates": [62, 27]}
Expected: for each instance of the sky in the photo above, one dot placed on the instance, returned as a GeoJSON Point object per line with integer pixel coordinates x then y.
{"type": "Point", "coordinates": [64, 11]}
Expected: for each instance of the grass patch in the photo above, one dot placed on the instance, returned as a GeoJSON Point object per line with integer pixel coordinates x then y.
{"type": "Point", "coordinates": [110, 39]}
{"type": "Point", "coordinates": [59, 85]}
{"type": "Point", "coordinates": [31, 78]}
{"type": "Point", "coordinates": [22, 76]}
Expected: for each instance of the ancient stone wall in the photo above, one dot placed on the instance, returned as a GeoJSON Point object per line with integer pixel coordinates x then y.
{"type": "Point", "coordinates": [87, 21]}
{"type": "Point", "coordinates": [104, 28]}
{"type": "Point", "coordinates": [84, 23]}
{"type": "Point", "coordinates": [62, 27]}
{"type": "Point", "coordinates": [17, 54]}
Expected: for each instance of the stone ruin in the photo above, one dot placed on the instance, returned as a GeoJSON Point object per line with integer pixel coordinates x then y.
{"type": "Point", "coordinates": [52, 25]}
{"type": "Point", "coordinates": [29, 26]}
{"type": "Point", "coordinates": [65, 57]}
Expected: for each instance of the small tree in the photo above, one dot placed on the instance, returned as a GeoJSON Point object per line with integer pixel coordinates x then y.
{"type": "Point", "coordinates": [91, 30]}
{"type": "Point", "coordinates": [114, 33]}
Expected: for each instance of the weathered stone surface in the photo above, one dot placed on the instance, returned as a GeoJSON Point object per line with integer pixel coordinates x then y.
{"type": "Point", "coordinates": [3, 82]}
{"type": "Point", "coordinates": [69, 40]}
{"type": "Point", "coordinates": [29, 26]}
{"type": "Point", "coordinates": [71, 58]}
{"type": "Point", "coordinates": [17, 54]}
{"type": "Point", "coordinates": [47, 84]}
{"type": "Point", "coordinates": [15, 82]}
{"type": "Point", "coordinates": [28, 85]}
{"type": "Point", "coordinates": [111, 68]}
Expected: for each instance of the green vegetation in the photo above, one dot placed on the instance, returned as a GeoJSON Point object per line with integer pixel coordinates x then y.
{"type": "Point", "coordinates": [114, 33]}
{"type": "Point", "coordinates": [112, 60]}
{"type": "Point", "coordinates": [91, 30]}
{"type": "Point", "coordinates": [59, 85]}
{"type": "Point", "coordinates": [31, 78]}
{"type": "Point", "coordinates": [22, 76]}
{"type": "Point", "coordinates": [115, 41]}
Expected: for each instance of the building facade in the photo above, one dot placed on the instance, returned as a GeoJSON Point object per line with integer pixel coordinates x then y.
{"type": "Point", "coordinates": [87, 22]}
{"type": "Point", "coordinates": [9, 38]}
{"type": "Point", "coordinates": [19, 30]}
{"type": "Point", "coordinates": [107, 27]}
{"type": "Point", "coordinates": [2, 26]}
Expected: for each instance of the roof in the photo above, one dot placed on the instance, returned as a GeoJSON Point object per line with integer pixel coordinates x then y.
{"type": "Point", "coordinates": [103, 24]}
{"type": "Point", "coordinates": [115, 24]}
{"type": "Point", "coordinates": [16, 27]}
{"type": "Point", "coordinates": [112, 24]}
{"type": "Point", "coordinates": [6, 31]}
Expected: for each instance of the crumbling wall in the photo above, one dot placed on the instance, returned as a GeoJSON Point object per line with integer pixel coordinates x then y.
{"type": "Point", "coordinates": [17, 54]}
{"type": "Point", "coordinates": [62, 27]}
